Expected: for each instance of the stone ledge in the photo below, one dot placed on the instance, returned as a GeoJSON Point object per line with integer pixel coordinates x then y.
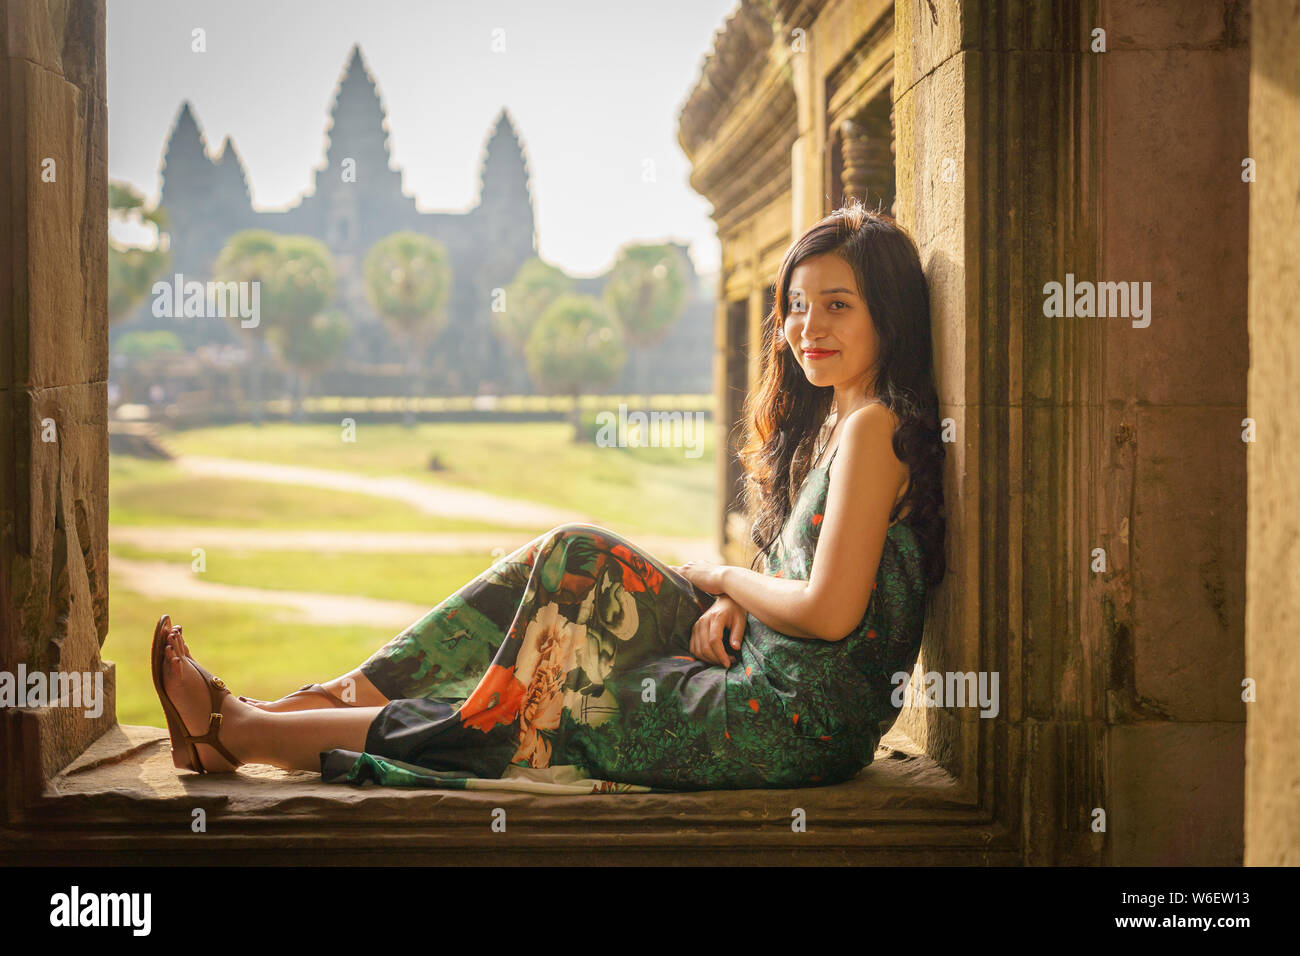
{"type": "Point", "coordinates": [129, 771]}
{"type": "Point", "coordinates": [123, 801]}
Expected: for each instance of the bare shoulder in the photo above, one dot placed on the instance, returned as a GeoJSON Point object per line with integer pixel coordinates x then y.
{"type": "Point", "coordinates": [871, 426]}
{"type": "Point", "coordinates": [869, 436]}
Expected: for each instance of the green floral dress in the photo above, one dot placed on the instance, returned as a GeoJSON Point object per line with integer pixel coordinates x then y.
{"type": "Point", "coordinates": [565, 667]}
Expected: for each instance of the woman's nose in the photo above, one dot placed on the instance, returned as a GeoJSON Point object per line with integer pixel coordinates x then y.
{"type": "Point", "coordinates": [812, 318]}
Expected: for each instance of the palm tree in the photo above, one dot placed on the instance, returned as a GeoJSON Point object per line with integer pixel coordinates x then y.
{"type": "Point", "coordinates": [575, 345]}
{"type": "Point", "coordinates": [535, 286]}
{"type": "Point", "coordinates": [131, 269]}
{"type": "Point", "coordinates": [408, 282]}
{"type": "Point", "coordinates": [646, 292]}
{"type": "Point", "coordinates": [315, 343]}
{"type": "Point", "coordinates": [252, 256]}
{"type": "Point", "coordinates": [302, 286]}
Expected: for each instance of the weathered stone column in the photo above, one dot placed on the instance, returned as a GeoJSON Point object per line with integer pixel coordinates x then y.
{"type": "Point", "coordinates": [1097, 534]}
{"type": "Point", "coordinates": [1273, 460]}
{"type": "Point", "coordinates": [53, 374]}
{"type": "Point", "coordinates": [868, 161]}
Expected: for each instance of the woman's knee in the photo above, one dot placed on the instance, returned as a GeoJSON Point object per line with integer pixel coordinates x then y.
{"type": "Point", "coordinates": [573, 529]}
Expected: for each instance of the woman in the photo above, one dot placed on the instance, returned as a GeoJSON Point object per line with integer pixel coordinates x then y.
{"type": "Point", "coordinates": [580, 660]}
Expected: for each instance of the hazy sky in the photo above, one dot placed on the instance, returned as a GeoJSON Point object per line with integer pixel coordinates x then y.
{"type": "Point", "coordinates": [594, 88]}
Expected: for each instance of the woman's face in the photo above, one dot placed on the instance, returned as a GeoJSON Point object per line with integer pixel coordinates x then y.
{"type": "Point", "coordinates": [829, 328]}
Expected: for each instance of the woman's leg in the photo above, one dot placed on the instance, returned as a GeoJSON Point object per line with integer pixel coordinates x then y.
{"type": "Point", "coordinates": [292, 741]}
{"type": "Point", "coordinates": [444, 654]}
{"type": "Point", "coordinates": [353, 688]}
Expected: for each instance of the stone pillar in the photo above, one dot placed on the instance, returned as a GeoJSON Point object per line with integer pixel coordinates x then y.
{"type": "Point", "coordinates": [1028, 156]}
{"type": "Point", "coordinates": [1168, 482]}
{"type": "Point", "coordinates": [1273, 460]}
{"type": "Point", "coordinates": [867, 157]}
{"type": "Point", "coordinates": [53, 375]}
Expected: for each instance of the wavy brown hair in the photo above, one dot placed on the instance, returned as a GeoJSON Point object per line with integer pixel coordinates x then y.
{"type": "Point", "coordinates": [785, 413]}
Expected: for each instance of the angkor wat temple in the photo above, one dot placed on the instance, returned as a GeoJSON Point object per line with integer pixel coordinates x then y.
{"type": "Point", "coordinates": [208, 199]}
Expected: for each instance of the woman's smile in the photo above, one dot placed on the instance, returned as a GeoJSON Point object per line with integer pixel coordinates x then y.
{"type": "Point", "coordinates": [817, 354]}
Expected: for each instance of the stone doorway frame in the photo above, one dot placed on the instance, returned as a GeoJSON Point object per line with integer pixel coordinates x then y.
{"type": "Point", "coordinates": [1032, 401]}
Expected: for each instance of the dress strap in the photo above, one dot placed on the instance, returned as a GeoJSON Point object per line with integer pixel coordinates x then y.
{"type": "Point", "coordinates": [832, 458]}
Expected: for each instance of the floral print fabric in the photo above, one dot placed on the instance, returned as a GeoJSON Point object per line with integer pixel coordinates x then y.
{"type": "Point", "coordinates": [565, 667]}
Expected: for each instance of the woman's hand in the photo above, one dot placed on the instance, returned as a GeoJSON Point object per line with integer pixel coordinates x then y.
{"type": "Point", "coordinates": [707, 641]}
{"type": "Point", "coordinates": [705, 575]}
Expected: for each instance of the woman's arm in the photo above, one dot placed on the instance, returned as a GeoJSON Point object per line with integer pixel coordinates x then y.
{"type": "Point", "coordinates": [830, 604]}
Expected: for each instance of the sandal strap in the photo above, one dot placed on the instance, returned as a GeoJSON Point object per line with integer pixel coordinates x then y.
{"type": "Point", "coordinates": [211, 739]}
{"type": "Point", "coordinates": [317, 690]}
{"type": "Point", "coordinates": [216, 691]}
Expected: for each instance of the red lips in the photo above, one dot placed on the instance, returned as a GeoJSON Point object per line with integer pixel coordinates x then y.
{"type": "Point", "coordinates": [819, 353]}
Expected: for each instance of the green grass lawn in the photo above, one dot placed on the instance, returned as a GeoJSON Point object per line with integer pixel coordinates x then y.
{"type": "Point", "coordinates": [154, 493]}
{"type": "Point", "coordinates": [240, 644]}
{"type": "Point", "coordinates": [423, 579]}
{"type": "Point", "coordinates": [629, 489]}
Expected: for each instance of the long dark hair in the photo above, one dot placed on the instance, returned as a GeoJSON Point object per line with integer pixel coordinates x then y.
{"type": "Point", "coordinates": [786, 411]}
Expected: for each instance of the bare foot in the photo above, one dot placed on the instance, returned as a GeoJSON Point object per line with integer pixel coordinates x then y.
{"type": "Point", "coordinates": [189, 694]}
{"type": "Point", "coordinates": [352, 690]}
{"type": "Point", "coordinates": [285, 705]}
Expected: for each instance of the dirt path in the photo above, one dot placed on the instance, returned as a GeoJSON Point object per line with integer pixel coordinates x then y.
{"type": "Point", "coordinates": [161, 580]}
{"type": "Point", "coordinates": [670, 549]}
{"type": "Point", "coordinates": [443, 500]}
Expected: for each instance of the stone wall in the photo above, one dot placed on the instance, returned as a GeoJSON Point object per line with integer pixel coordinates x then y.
{"type": "Point", "coordinates": [1273, 461]}
{"type": "Point", "coordinates": [1088, 438]}
{"type": "Point", "coordinates": [1170, 481]}
{"type": "Point", "coordinates": [53, 370]}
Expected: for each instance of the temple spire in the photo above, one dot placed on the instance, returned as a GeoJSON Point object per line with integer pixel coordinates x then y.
{"type": "Point", "coordinates": [358, 128]}
{"type": "Point", "coordinates": [231, 180]}
{"type": "Point", "coordinates": [503, 179]}
{"type": "Point", "coordinates": [187, 167]}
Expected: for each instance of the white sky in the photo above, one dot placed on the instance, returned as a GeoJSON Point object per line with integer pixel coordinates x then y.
{"type": "Point", "coordinates": [594, 88]}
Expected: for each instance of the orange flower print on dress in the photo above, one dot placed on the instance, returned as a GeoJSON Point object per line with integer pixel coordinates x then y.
{"type": "Point", "coordinates": [816, 519]}
{"type": "Point", "coordinates": [540, 711]}
{"type": "Point", "coordinates": [638, 574]}
{"type": "Point", "coordinates": [754, 704]}
{"type": "Point", "coordinates": [543, 661]}
{"type": "Point", "coordinates": [494, 701]}
{"type": "Point", "coordinates": [871, 635]}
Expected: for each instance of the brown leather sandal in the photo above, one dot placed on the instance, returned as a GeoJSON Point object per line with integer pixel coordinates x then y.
{"type": "Point", "coordinates": [307, 690]}
{"type": "Point", "coordinates": [188, 758]}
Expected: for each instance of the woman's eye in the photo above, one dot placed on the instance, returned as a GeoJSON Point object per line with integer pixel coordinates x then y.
{"type": "Point", "coordinates": [840, 302]}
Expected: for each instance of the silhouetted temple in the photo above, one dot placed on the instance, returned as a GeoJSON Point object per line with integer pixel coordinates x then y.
{"type": "Point", "coordinates": [352, 205]}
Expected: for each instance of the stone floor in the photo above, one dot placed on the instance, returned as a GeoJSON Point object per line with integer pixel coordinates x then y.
{"type": "Point", "coordinates": [132, 765]}
{"type": "Point", "coordinates": [122, 801]}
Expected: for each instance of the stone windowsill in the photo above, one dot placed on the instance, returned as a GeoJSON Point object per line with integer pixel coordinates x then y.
{"type": "Point", "coordinates": [124, 796]}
